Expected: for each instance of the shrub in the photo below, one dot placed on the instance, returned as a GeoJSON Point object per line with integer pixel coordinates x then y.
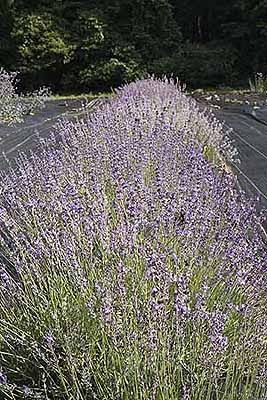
{"type": "Point", "coordinates": [198, 65]}
{"type": "Point", "coordinates": [123, 66]}
{"type": "Point", "coordinates": [259, 83]}
{"type": "Point", "coordinates": [131, 268]}
{"type": "Point", "coordinates": [165, 66]}
{"type": "Point", "coordinates": [207, 65]}
{"type": "Point", "coordinates": [13, 107]}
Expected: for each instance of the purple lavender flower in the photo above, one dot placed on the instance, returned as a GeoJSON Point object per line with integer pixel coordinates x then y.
{"type": "Point", "coordinates": [49, 339]}
{"type": "Point", "coordinates": [3, 377]}
{"type": "Point", "coordinates": [27, 391]}
{"type": "Point", "coordinates": [152, 249]}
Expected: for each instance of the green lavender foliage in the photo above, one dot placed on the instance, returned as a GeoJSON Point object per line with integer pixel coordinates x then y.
{"type": "Point", "coordinates": [130, 267]}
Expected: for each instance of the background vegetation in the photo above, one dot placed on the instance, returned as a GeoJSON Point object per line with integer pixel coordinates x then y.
{"type": "Point", "coordinates": [92, 45]}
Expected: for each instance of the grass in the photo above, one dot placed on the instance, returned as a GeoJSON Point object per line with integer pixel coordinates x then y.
{"type": "Point", "coordinates": [81, 95]}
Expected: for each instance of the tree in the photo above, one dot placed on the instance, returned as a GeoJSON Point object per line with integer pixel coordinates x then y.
{"type": "Point", "coordinates": [6, 45]}
{"type": "Point", "coordinates": [41, 45]}
{"type": "Point", "coordinates": [5, 6]}
{"type": "Point", "coordinates": [99, 44]}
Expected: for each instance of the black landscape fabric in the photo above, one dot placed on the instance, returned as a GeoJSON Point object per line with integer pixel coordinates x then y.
{"type": "Point", "coordinates": [249, 131]}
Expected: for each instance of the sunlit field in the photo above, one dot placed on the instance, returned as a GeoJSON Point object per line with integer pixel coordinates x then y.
{"type": "Point", "coordinates": [131, 268]}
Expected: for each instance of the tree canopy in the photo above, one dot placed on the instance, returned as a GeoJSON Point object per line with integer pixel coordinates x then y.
{"type": "Point", "coordinates": [81, 45]}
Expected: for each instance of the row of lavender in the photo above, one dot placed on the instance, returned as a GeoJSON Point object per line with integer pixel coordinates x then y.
{"type": "Point", "coordinates": [130, 266]}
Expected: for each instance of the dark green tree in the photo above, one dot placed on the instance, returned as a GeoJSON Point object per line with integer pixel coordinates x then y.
{"type": "Point", "coordinates": [77, 45]}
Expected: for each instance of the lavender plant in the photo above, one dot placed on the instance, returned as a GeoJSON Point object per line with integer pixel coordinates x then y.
{"type": "Point", "coordinates": [259, 83]}
{"type": "Point", "coordinates": [130, 266]}
{"type": "Point", "coordinates": [13, 107]}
